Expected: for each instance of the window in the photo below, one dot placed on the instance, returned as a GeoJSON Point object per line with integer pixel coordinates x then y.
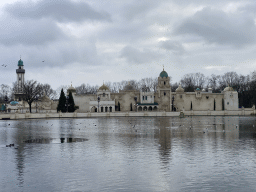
{"type": "Point", "coordinates": [181, 96]}
{"type": "Point", "coordinates": [164, 82]}
{"type": "Point", "coordinates": [207, 97]}
{"type": "Point", "coordinates": [103, 94]}
{"type": "Point", "coordinates": [146, 97]}
{"type": "Point", "coordinates": [164, 93]}
{"type": "Point", "coordinates": [143, 98]}
{"type": "Point", "coordinates": [228, 103]}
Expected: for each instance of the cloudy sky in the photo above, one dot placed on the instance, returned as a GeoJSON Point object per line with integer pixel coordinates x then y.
{"type": "Point", "coordinates": [94, 41]}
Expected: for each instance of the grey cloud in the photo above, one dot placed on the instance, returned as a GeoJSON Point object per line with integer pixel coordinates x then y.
{"type": "Point", "coordinates": [133, 55]}
{"type": "Point", "coordinates": [140, 9]}
{"type": "Point", "coordinates": [173, 46]}
{"type": "Point", "coordinates": [216, 26]}
{"type": "Point", "coordinates": [248, 7]}
{"type": "Point", "coordinates": [29, 32]}
{"type": "Point", "coordinates": [64, 53]}
{"type": "Point", "coordinates": [60, 10]}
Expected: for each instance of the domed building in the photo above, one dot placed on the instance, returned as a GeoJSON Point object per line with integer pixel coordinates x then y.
{"type": "Point", "coordinates": [71, 89]}
{"type": "Point", "coordinates": [130, 99]}
{"type": "Point", "coordinates": [179, 89]}
{"type": "Point", "coordinates": [163, 96]}
{"type": "Point", "coordinates": [103, 101]}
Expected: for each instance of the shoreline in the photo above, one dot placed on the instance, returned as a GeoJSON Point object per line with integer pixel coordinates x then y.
{"type": "Point", "coordinates": [17, 116]}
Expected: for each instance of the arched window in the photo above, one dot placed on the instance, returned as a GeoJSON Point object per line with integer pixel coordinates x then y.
{"type": "Point", "coordinates": [164, 82]}
{"type": "Point", "coordinates": [164, 93]}
{"type": "Point", "coordinates": [103, 94]}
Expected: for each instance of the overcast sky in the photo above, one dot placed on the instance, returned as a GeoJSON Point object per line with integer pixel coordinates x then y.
{"type": "Point", "coordinates": [95, 41]}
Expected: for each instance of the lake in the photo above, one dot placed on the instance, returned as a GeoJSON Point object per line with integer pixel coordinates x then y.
{"type": "Point", "coordinates": [199, 153]}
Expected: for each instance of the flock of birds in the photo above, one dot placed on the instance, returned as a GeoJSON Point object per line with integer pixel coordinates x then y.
{"type": "Point", "coordinates": [3, 65]}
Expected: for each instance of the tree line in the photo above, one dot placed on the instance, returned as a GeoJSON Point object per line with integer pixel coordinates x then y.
{"type": "Point", "coordinates": [245, 85]}
{"type": "Point", "coordinates": [32, 91]}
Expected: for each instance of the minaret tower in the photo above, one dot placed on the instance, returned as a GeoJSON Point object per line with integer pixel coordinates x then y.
{"type": "Point", "coordinates": [20, 79]}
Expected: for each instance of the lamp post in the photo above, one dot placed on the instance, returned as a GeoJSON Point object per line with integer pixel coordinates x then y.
{"type": "Point", "coordinates": [6, 99]}
{"type": "Point", "coordinates": [36, 102]}
{"type": "Point", "coordinates": [98, 104]}
{"type": "Point", "coordinates": [67, 102]}
{"type": "Point", "coordinates": [172, 103]}
{"type": "Point", "coordinates": [135, 98]}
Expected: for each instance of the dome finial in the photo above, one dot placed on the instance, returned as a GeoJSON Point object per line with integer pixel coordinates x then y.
{"type": "Point", "coordinates": [163, 67]}
{"type": "Point", "coordinates": [71, 83]}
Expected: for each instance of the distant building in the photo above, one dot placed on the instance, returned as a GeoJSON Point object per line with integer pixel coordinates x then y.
{"type": "Point", "coordinates": [20, 81]}
{"type": "Point", "coordinates": [131, 99]}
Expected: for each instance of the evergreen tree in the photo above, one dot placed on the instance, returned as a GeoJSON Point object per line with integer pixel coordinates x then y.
{"type": "Point", "coordinates": [71, 106]}
{"type": "Point", "coordinates": [62, 102]}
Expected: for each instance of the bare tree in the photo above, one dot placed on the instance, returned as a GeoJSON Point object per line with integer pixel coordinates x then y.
{"type": "Point", "coordinates": [5, 90]}
{"type": "Point", "coordinates": [187, 82]}
{"type": "Point", "coordinates": [58, 90]}
{"type": "Point", "coordinates": [253, 76]}
{"type": "Point", "coordinates": [48, 91]}
{"type": "Point", "coordinates": [151, 83]}
{"type": "Point", "coordinates": [174, 86]}
{"type": "Point", "coordinates": [213, 83]}
{"type": "Point", "coordinates": [192, 81]}
{"type": "Point", "coordinates": [229, 79]}
{"type": "Point", "coordinates": [31, 90]}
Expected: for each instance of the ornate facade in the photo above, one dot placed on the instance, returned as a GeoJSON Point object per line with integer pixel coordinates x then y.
{"type": "Point", "coordinates": [130, 99]}
{"type": "Point", "coordinates": [20, 81]}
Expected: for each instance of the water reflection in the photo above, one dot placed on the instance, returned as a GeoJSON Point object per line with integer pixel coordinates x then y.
{"type": "Point", "coordinates": [195, 153]}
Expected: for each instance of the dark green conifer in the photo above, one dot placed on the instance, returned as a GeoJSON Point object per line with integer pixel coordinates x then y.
{"type": "Point", "coordinates": [62, 102]}
{"type": "Point", "coordinates": [71, 106]}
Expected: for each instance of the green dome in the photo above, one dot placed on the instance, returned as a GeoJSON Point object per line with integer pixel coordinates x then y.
{"type": "Point", "coordinates": [197, 89]}
{"type": "Point", "coordinates": [20, 63]}
{"type": "Point", "coordinates": [163, 74]}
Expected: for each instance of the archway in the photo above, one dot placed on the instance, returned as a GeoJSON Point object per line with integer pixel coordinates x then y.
{"type": "Point", "coordinates": [93, 109]}
{"type": "Point", "coordinates": [145, 108]}
{"type": "Point", "coordinates": [110, 109]}
{"type": "Point", "coordinates": [150, 108]}
{"type": "Point", "coordinates": [140, 109]}
{"type": "Point", "coordinates": [106, 109]}
{"type": "Point", "coordinates": [155, 108]}
{"type": "Point", "coordinates": [101, 109]}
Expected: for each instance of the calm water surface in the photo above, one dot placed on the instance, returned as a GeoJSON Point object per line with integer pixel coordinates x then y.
{"type": "Point", "coordinates": [129, 154]}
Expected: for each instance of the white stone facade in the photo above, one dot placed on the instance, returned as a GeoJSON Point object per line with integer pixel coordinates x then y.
{"type": "Point", "coordinates": [164, 99]}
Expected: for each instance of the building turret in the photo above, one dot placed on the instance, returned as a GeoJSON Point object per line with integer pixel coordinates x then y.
{"type": "Point", "coordinates": [20, 76]}
{"type": "Point", "coordinates": [20, 80]}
